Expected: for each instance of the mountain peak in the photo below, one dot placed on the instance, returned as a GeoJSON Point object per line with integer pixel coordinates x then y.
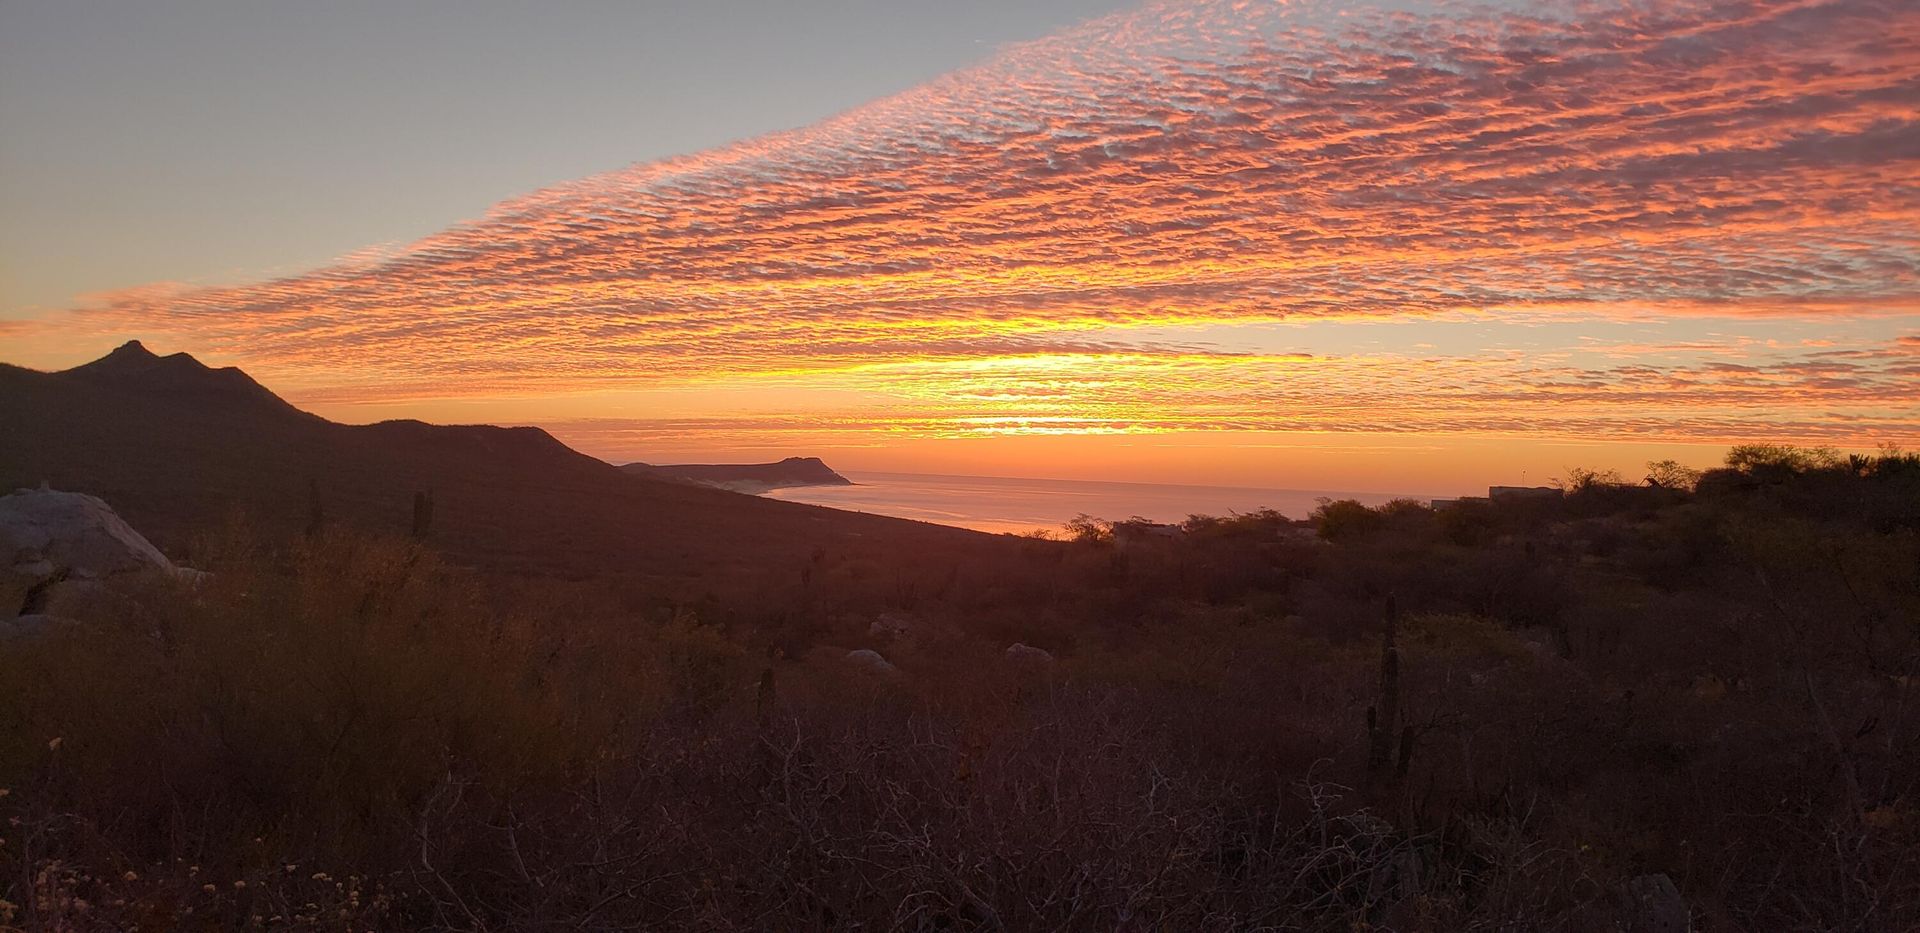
{"type": "Point", "coordinates": [133, 359]}
{"type": "Point", "coordinates": [131, 366]}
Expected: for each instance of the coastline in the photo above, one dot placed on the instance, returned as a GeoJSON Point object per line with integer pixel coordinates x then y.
{"type": "Point", "coordinates": [1016, 505]}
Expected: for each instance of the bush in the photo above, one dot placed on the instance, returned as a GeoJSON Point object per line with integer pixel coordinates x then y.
{"type": "Point", "coordinates": [347, 732]}
{"type": "Point", "coordinates": [1345, 520]}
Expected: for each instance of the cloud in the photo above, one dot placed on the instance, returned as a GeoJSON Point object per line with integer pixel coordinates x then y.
{"type": "Point", "coordinates": [1182, 165]}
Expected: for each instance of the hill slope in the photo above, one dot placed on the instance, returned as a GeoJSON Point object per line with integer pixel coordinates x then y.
{"type": "Point", "coordinates": [746, 477]}
{"type": "Point", "coordinates": [178, 447]}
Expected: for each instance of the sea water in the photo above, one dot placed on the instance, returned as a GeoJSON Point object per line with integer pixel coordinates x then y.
{"type": "Point", "coordinates": [1005, 504]}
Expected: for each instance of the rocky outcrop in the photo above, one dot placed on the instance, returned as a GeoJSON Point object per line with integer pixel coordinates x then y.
{"type": "Point", "coordinates": [870, 661]}
{"type": "Point", "coordinates": [1027, 654]}
{"type": "Point", "coordinates": [54, 543]}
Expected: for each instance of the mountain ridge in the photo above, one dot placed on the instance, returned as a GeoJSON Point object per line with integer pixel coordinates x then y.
{"type": "Point", "coordinates": [132, 366]}
{"type": "Point", "coordinates": [178, 448]}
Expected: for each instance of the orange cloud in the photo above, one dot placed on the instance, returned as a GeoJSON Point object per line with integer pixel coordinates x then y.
{"type": "Point", "coordinates": [994, 252]}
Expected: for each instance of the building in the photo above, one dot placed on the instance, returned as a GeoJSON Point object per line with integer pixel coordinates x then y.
{"type": "Point", "coordinates": [1523, 492]}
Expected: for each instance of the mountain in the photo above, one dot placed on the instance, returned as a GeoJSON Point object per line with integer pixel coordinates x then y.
{"type": "Point", "coordinates": [179, 448]}
{"type": "Point", "coordinates": [746, 477]}
{"type": "Point", "coordinates": [177, 377]}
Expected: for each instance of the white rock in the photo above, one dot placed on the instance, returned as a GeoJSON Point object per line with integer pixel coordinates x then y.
{"type": "Point", "coordinates": [44, 531]}
{"type": "Point", "coordinates": [52, 540]}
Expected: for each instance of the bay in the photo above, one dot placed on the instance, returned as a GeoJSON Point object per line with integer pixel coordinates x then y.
{"type": "Point", "coordinates": [1015, 505]}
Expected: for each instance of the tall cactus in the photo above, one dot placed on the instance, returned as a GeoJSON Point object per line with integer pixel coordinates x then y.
{"type": "Point", "coordinates": [765, 699]}
{"type": "Point", "coordinates": [422, 515]}
{"type": "Point", "coordinates": [1382, 720]}
{"type": "Point", "coordinates": [316, 509]}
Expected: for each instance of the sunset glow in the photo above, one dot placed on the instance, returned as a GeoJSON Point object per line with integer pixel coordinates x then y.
{"type": "Point", "coordinates": [1213, 224]}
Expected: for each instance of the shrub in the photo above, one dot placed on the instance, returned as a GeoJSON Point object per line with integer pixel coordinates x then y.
{"type": "Point", "coordinates": [1671, 474]}
{"type": "Point", "coordinates": [1650, 689]}
{"type": "Point", "coordinates": [1779, 460]}
{"type": "Point", "coordinates": [1345, 520]}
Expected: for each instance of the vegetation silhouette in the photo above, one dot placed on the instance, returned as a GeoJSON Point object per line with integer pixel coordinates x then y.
{"type": "Point", "coordinates": [1536, 712]}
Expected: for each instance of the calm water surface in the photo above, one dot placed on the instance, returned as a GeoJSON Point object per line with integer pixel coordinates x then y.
{"type": "Point", "coordinates": [991, 503]}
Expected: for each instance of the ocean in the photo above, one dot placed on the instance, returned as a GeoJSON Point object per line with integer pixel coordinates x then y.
{"type": "Point", "coordinates": [1003, 504]}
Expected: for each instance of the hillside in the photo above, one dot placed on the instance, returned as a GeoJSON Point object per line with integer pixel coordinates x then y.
{"type": "Point", "coordinates": [1682, 706]}
{"type": "Point", "coordinates": [746, 477]}
{"type": "Point", "coordinates": [178, 447]}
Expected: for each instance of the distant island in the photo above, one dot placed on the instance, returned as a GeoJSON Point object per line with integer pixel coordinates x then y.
{"type": "Point", "coordinates": [754, 478]}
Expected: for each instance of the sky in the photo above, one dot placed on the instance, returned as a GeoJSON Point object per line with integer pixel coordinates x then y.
{"type": "Point", "coordinates": [1394, 246]}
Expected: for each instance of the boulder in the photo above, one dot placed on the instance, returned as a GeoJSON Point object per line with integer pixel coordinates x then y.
{"type": "Point", "coordinates": [30, 626]}
{"type": "Point", "coordinates": [34, 569]}
{"type": "Point", "coordinates": [74, 598]}
{"type": "Point", "coordinates": [890, 625]}
{"type": "Point", "coordinates": [870, 661]}
{"type": "Point", "coordinates": [1028, 654]}
{"type": "Point", "coordinates": [1652, 904]}
{"type": "Point", "coordinates": [74, 532]}
{"type": "Point", "coordinates": [48, 536]}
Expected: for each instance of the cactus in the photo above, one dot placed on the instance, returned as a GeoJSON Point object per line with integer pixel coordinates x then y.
{"type": "Point", "coordinates": [422, 515]}
{"type": "Point", "coordinates": [1381, 720]}
{"type": "Point", "coordinates": [316, 511]}
{"type": "Point", "coordinates": [765, 700]}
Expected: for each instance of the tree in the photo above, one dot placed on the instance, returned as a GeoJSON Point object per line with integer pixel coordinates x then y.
{"type": "Point", "coordinates": [1340, 519]}
{"type": "Point", "coordinates": [1086, 529]}
{"type": "Point", "coordinates": [1781, 459]}
{"type": "Point", "coordinates": [1580, 479]}
{"type": "Point", "coordinates": [1670, 474]}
